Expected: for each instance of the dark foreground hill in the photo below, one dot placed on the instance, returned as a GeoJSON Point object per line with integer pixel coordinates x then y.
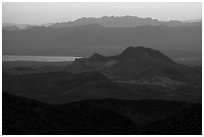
{"type": "Point", "coordinates": [25, 116]}
{"type": "Point", "coordinates": [60, 87]}
{"type": "Point", "coordinates": [63, 87]}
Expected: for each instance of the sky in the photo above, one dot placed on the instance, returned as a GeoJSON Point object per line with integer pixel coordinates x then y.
{"type": "Point", "coordinates": [51, 12]}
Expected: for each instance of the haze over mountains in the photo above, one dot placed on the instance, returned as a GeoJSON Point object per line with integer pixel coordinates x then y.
{"type": "Point", "coordinates": [6, 26]}
{"type": "Point", "coordinates": [108, 36]}
{"type": "Point", "coordinates": [110, 21]}
{"type": "Point", "coordinates": [122, 22]}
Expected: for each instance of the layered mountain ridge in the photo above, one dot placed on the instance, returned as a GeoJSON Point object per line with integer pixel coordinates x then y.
{"type": "Point", "coordinates": [121, 21]}
{"type": "Point", "coordinates": [136, 64]}
{"type": "Point", "coordinates": [180, 42]}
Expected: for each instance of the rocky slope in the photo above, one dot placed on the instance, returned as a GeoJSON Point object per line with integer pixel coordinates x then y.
{"type": "Point", "coordinates": [139, 64]}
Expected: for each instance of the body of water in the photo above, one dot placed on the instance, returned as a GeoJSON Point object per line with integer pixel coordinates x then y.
{"type": "Point", "coordinates": [38, 58]}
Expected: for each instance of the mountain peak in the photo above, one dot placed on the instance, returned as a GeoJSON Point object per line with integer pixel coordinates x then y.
{"type": "Point", "coordinates": [136, 50]}
{"type": "Point", "coordinates": [142, 53]}
{"type": "Point", "coordinates": [97, 57]}
{"type": "Point", "coordinates": [140, 63]}
{"type": "Point", "coordinates": [138, 47]}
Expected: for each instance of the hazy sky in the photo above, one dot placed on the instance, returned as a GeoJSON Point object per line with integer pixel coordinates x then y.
{"type": "Point", "coordinates": [41, 13]}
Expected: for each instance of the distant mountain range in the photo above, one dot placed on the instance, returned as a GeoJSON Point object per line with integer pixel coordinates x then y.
{"type": "Point", "coordinates": [107, 35]}
{"type": "Point", "coordinates": [111, 21]}
{"type": "Point", "coordinates": [192, 20]}
{"type": "Point", "coordinates": [122, 22]}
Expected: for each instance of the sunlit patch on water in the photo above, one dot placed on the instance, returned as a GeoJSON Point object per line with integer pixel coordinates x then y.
{"type": "Point", "coordinates": [38, 58]}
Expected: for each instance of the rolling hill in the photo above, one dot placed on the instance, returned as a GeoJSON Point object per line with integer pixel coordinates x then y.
{"type": "Point", "coordinates": [23, 116]}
